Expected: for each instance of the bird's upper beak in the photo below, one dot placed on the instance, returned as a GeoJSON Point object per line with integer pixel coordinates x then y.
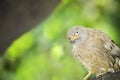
{"type": "Point", "coordinates": [74, 37]}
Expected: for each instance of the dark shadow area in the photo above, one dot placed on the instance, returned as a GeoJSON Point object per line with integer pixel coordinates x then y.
{"type": "Point", "coordinates": [18, 16]}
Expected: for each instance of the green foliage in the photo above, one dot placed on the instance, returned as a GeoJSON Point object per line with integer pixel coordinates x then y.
{"type": "Point", "coordinates": [45, 53]}
{"type": "Point", "coordinates": [20, 46]}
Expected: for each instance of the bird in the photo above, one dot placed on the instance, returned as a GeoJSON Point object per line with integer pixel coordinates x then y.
{"type": "Point", "coordinates": [95, 50]}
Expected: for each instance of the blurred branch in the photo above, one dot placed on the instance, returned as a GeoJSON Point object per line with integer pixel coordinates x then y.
{"type": "Point", "coordinates": [109, 76]}
{"type": "Point", "coordinates": [18, 16]}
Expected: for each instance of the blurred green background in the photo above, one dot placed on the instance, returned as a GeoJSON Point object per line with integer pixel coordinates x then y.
{"type": "Point", "coordinates": [44, 52]}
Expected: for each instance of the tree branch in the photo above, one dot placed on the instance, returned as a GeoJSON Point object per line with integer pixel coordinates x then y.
{"type": "Point", "coordinates": [19, 16]}
{"type": "Point", "coordinates": [109, 76]}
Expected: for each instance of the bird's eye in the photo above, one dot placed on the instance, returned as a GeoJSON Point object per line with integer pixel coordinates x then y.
{"type": "Point", "coordinates": [77, 32]}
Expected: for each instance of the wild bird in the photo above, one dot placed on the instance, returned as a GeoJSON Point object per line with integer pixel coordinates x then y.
{"type": "Point", "coordinates": [95, 50]}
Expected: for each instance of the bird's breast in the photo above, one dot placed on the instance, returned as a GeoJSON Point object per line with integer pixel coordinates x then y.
{"type": "Point", "coordinates": [91, 58]}
{"type": "Point", "coordinates": [81, 56]}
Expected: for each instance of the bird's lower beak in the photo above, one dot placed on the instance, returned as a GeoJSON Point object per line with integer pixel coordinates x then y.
{"type": "Point", "coordinates": [74, 37]}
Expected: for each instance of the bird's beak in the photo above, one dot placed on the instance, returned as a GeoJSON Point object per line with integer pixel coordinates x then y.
{"type": "Point", "coordinates": [74, 37]}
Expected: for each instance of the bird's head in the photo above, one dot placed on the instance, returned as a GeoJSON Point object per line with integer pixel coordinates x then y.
{"type": "Point", "coordinates": [77, 34]}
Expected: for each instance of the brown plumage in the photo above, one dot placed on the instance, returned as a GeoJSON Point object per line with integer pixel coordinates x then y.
{"type": "Point", "coordinates": [95, 50]}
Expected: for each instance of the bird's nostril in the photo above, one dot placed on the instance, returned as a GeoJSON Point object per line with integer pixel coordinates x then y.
{"type": "Point", "coordinates": [69, 38]}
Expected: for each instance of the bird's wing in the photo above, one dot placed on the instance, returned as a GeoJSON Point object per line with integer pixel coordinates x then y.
{"type": "Point", "coordinates": [113, 48]}
{"type": "Point", "coordinates": [107, 42]}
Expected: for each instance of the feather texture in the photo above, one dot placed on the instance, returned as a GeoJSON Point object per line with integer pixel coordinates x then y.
{"type": "Point", "coordinates": [95, 50]}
